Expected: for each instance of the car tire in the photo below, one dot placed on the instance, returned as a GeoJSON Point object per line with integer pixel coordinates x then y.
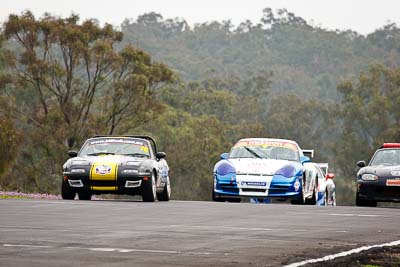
{"type": "Point", "coordinates": [67, 192]}
{"type": "Point", "coordinates": [215, 198]}
{"type": "Point", "coordinates": [234, 200]}
{"type": "Point", "coordinates": [84, 195]}
{"type": "Point", "coordinates": [165, 195]}
{"type": "Point", "coordinates": [360, 202]}
{"type": "Point", "coordinates": [365, 203]}
{"type": "Point", "coordinates": [149, 193]}
{"type": "Point", "coordinates": [300, 200]}
{"type": "Point", "coordinates": [313, 199]}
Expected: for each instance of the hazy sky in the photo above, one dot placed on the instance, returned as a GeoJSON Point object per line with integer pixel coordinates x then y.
{"type": "Point", "coordinates": [363, 16]}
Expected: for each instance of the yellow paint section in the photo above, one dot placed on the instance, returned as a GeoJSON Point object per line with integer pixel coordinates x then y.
{"type": "Point", "coordinates": [100, 171]}
{"type": "Point", "coordinates": [105, 188]}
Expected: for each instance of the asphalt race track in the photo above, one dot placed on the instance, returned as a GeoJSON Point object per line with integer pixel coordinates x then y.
{"type": "Point", "coordinates": [181, 233]}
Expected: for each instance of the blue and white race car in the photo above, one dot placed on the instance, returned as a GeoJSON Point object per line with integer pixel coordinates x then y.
{"type": "Point", "coordinates": [263, 168]}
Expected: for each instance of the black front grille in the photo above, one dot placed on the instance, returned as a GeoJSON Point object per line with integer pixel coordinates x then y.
{"type": "Point", "coordinates": [253, 190]}
{"type": "Point", "coordinates": [278, 191]}
{"type": "Point", "coordinates": [282, 187]}
{"type": "Point", "coordinates": [229, 189]}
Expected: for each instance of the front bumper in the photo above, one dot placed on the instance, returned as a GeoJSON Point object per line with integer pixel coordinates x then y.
{"type": "Point", "coordinates": [376, 191]}
{"type": "Point", "coordinates": [123, 184]}
{"type": "Point", "coordinates": [280, 188]}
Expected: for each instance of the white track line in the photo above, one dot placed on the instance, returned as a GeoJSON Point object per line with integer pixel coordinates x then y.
{"type": "Point", "coordinates": [118, 250]}
{"type": "Point", "coordinates": [25, 246]}
{"type": "Point", "coordinates": [356, 215]}
{"type": "Point", "coordinates": [207, 227]}
{"type": "Point", "coordinates": [343, 254]}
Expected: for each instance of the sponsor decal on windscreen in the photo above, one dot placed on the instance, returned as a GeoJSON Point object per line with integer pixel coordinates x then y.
{"type": "Point", "coordinates": [121, 140]}
{"type": "Point", "coordinates": [266, 143]}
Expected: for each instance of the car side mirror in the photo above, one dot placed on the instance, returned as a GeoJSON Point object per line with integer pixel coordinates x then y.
{"type": "Point", "coordinates": [361, 163]}
{"type": "Point", "coordinates": [329, 175]}
{"type": "Point", "coordinates": [161, 155]}
{"type": "Point", "coordinates": [224, 156]}
{"type": "Point", "coordinates": [304, 159]}
{"type": "Point", "coordinates": [72, 153]}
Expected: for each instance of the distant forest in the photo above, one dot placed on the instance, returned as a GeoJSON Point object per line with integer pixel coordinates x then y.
{"type": "Point", "coordinates": [197, 90]}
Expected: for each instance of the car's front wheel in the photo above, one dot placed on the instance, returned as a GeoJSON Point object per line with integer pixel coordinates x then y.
{"type": "Point", "coordinates": [313, 199]}
{"type": "Point", "coordinates": [234, 200]}
{"type": "Point", "coordinates": [67, 192]}
{"type": "Point", "coordinates": [165, 195]}
{"type": "Point", "coordinates": [365, 203]}
{"type": "Point", "coordinates": [215, 198]}
{"type": "Point", "coordinates": [149, 193]}
{"type": "Point", "coordinates": [301, 199]}
{"type": "Point", "coordinates": [84, 196]}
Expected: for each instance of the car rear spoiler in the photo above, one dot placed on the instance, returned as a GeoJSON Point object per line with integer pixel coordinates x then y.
{"type": "Point", "coordinates": [308, 152]}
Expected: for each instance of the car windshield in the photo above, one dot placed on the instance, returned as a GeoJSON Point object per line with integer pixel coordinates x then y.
{"type": "Point", "coordinates": [265, 150]}
{"type": "Point", "coordinates": [115, 146]}
{"type": "Point", "coordinates": [386, 157]}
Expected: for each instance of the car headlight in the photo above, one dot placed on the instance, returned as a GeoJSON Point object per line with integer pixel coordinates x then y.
{"type": "Point", "coordinates": [225, 168]}
{"type": "Point", "coordinates": [144, 170]}
{"type": "Point", "coordinates": [79, 162]}
{"type": "Point", "coordinates": [129, 171]}
{"type": "Point", "coordinates": [369, 177]}
{"type": "Point", "coordinates": [287, 171]}
{"type": "Point", "coordinates": [78, 171]}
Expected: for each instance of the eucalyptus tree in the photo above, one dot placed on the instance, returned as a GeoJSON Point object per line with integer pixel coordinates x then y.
{"type": "Point", "coordinates": [76, 72]}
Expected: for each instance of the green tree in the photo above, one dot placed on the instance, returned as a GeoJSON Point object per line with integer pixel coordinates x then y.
{"type": "Point", "coordinates": [308, 121]}
{"type": "Point", "coordinates": [371, 116]}
{"type": "Point", "coordinates": [9, 141]}
{"type": "Point", "coordinates": [369, 108]}
{"type": "Point", "coordinates": [73, 68]}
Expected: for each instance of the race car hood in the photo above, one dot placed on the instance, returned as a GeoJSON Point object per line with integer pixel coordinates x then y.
{"type": "Point", "coordinates": [382, 171]}
{"type": "Point", "coordinates": [259, 166]}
